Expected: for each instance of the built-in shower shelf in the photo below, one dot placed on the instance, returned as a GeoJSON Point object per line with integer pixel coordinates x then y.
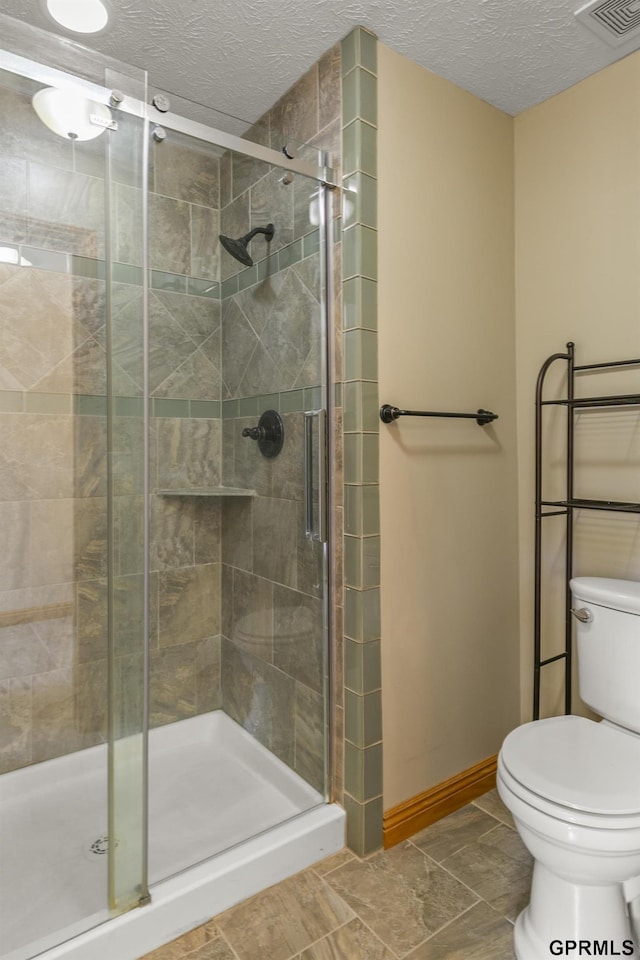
{"type": "Point", "coordinates": [207, 492]}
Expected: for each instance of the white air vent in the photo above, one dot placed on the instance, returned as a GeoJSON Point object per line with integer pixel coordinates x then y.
{"type": "Point", "coordinates": [615, 21]}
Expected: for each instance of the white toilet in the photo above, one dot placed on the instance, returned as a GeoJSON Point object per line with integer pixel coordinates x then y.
{"type": "Point", "coordinates": [573, 788]}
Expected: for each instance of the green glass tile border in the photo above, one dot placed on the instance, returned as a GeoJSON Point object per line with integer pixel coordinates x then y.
{"type": "Point", "coordinates": [360, 200]}
{"type": "Point", "coordinates": [48, 403]}
{"type": "Point", "coordinates": [363, 718]}
{"type": "Point", "coordinates": [362, 642]}
{"type": "Point", "coordinates": [170, 408]}
{"type": "Point", "coordinates": [364, 825]}
{"type": "Point", "coordinates": [91, 406]}
{"type": "Point", "coordinates": [363, 771]}
{"type": "Point", "coordinates": [362, 666]}
{"type": "Point", "coordinates": [203, 288]}
{"type": "Point", "coordinates": [11, 401]}
{"type": "Point", "coordinates": [359, 96]}
{"type": "Point", "coordinates": [359, 48]}
{"type": "Point", "coordinates": [172, 282]}
{"type": "Point", "coordinates": [359, 148]}
{"type": "Point", "coordinates": [359, 304]}
{"type": "Point", "coordinates": [205, 409]}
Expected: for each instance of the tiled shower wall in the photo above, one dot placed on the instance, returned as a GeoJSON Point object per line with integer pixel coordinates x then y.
{"type": "Point", "coordinates": [53, 668]}
{"type": "Point", "coordinates": [273, 670]}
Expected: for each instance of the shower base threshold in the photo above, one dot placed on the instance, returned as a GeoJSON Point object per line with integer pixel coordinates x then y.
{"type": "Point", "coordinates": [211, 785]}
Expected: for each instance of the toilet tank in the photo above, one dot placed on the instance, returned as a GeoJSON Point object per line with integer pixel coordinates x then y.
{"type": "Point", "coordinates": [608, 644]}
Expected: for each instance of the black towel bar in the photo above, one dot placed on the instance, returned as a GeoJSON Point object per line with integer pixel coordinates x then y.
{"type": "Point", "coordinates": [389, 413]}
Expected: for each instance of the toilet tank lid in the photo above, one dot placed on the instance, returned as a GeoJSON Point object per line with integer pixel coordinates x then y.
{"type": "Point", "coordinates": [621, 595]}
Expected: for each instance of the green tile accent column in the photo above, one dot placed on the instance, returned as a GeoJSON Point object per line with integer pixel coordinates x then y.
{"type": "Point", "coordinates": [363, 693]}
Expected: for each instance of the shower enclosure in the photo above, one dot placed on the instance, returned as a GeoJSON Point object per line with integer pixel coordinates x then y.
{"type": "Point", "coordinates": [164, 618]}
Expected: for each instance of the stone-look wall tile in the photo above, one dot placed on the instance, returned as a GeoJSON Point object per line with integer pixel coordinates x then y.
{"type": "Point", "coordinates": [38, 329]}
{"type": "Point", "coordinates": [271, 202]}
{"type": "Point", "coordinates": [234, 222]}
{"type": "Point", "coordinates": [188, 453]}
{"type": "Point", "coordinates": [189, 604]}
{"type": "Point", "coordinates": [207, 530]}
{"type": "Point", "coordinates": [261, 699]}
{"type": "Point", "coordinates": [33, 648]}
{"type": "Point", "coordinates": [237, 532]}
{"type": "Point", "coordinates": [187, 174]}
{"type": "Point", "coordinates": [298, 636]}
{"type": "Point", "coordinates": [90, 618]}
{"type": "Point", "coordinates": [170, 234]}
{"type": "Point", "coordinates": [195, 379]}
{"type": "Point", "coordinates": [13, 188]}
{"type": "Point", "coordinates": [310, 738]}
{"type": "Point", "coordinates": [90, 538]}
{"type": "Point", "coordinates": [172, 684]}
{"type": "Point", "coordinates": [329, 71]}
{"type": "Point", "coordinates": [275, 540]}
{"type": "Point", "coordinates": [92, 702]}
{"type": "Point", "coordinates": [309, 560]}
{"type": "Point", "coordinates": [208, 675]}
{"type": "Point", "coordinates": [69, 206]}
{"type": "Point", "coordinates": [54, 731]}
{"type": "Point", "coordinates": [246, 170]}
{"type": "Point", "coordinates": [25, 136]}
{"type": "Point", "coordinates": [128, 533]}
{"type": "Point", "coordinates": [15, 522]}
{"type": "Point", "coordinates": [171, 532]}
{"type": "Point", "coordinates": [205, 229]}
{"type": "Point", "coordinates": [252, 615]}
{"type": "Point", "coordinates": [294, 117]}
{"type": "Point", "coordinates": [15, 723]}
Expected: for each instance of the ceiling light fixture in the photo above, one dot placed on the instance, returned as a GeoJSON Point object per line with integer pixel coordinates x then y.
{"type": "Point", "coordinates": [78, 16]}
{"type": "Point", "coordinates": [71, 115]}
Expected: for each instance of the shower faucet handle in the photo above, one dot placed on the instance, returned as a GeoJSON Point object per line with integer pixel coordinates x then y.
{"type": "Point", "coordinates": [269, 433]}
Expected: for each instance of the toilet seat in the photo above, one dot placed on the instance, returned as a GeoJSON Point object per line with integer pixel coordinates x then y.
{"type": "Point", "coordinates": [576, 770]}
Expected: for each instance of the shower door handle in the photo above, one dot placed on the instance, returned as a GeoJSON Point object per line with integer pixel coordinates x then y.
{"type": "Point", "coordinates": [315, 475]}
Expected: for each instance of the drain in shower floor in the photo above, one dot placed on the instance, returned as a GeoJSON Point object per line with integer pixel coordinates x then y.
{"type": "Point", "coordinates": [100, 847]}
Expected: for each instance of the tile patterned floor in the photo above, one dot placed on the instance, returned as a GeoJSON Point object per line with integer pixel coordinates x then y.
{"type": "Point", "coordinates": [451, 892]}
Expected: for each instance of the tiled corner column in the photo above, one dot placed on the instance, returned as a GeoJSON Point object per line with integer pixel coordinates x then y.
{"type": "Point", "coordinates": [362, 695]}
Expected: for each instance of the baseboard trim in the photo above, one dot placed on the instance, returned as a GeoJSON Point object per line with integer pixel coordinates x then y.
{"type": "Point", "coordinates": [401, 822]}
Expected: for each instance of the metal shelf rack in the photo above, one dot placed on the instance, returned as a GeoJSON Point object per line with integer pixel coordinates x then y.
{"type": "Point", "coordinates": [567, 507]}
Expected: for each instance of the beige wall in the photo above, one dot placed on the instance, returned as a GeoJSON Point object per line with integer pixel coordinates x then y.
{"type": "Point", "coordinates": [577, 158]}
{"type": "Point", "coordinates": [448, 488]}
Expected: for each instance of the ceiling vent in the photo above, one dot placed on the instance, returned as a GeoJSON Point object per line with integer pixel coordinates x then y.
{"type": "Point", "coordinates": [614, 21]}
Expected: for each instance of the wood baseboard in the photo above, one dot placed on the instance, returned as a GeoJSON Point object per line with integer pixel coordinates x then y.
{"type": "Point", "coordinates": [420, 811]}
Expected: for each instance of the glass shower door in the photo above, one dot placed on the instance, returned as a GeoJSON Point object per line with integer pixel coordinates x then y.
{"type": "Point", "coordinates": [238, 688]}
{"type": "Point", "coordinates": [65, 451]}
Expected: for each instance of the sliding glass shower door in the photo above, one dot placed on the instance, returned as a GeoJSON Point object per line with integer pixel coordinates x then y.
{"type": "Point", "coordinates": [238, 670]}
{"type": "Point", "coordinates": [72, 511]}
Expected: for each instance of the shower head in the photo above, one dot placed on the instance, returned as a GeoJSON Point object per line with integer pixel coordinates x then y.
{"type": "Point", "coordinates": [238, 248]}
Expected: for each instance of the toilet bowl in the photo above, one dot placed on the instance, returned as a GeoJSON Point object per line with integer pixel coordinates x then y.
{"type": "Point", "coordinates": [573, 788]}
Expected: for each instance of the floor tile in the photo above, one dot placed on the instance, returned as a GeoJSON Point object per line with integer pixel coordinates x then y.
{"type": "Point", "coordinates": [491, 803]}
{"type": "Point", "coordinates": [498, 867]}
{"type": "Point", "coordinates": [285, 919]}
{"type": "Point", "coordinates": [333, 862]}
{"type": "Point", "coordinates": [188, 942]}
{"type": "Point", "coordinates": [354, 941]}
{"type": "Point", "coordinates": [445, 837]}
{"type": "Point", "coordinates": [479, 934]}
{"type": "Point", "coordinates": [402, 895]}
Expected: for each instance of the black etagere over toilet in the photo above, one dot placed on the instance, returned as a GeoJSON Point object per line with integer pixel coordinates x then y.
{"type": "Point", "coordinates": [570, 504]}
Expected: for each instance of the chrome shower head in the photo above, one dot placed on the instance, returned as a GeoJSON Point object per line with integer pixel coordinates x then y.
{"type": "Point", "coordinates": [238, 248]}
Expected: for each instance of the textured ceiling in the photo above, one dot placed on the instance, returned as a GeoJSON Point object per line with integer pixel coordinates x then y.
{"type": "Point", "coordinates": [239, 56]}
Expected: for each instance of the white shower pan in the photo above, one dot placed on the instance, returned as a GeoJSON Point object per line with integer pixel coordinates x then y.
{"type": "Point", "coordinates": [210, 784]}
